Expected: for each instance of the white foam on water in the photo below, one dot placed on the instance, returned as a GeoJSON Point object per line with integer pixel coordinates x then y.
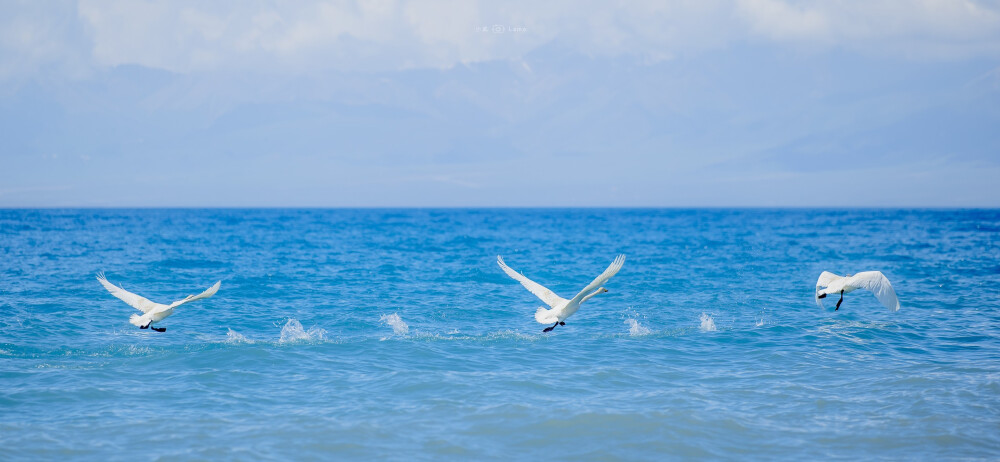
{"type": "Point", "coordinates": [636, 329]}
{"type": "Point", "coordinates": [235, 337]}
{"type": "Point", "coordinates": [111, 351]}
{"type": "Point", "coordinates": [707, 324]}
{"type": "Point", "coordinates": [294, 332]}
{"type": "Point", "coordinates": [508, 334]}
{"type": "Point", "coordinates": [396, 323]}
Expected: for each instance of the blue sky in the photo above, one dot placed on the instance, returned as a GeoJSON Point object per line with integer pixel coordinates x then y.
{"type": "Point", "coordinates": [465, 103]}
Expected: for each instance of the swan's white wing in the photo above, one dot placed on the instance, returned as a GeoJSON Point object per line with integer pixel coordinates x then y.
{"type": "Point", "coordinates": [879, 285]}
{"type": "Point", "coordinates": [190, 298]}
{"type": "Point", "coordinates": [549, 297]}
{"type": "Point", "coordinates": [135, 301]}
{"type": "Point", "coordinates": [825, 279]}
{"type": "Point", "coordinates": [611, 271]}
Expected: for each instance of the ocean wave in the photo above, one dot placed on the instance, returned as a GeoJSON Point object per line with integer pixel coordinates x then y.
{"type": "Point", "coordinates": [854, 331]}
{"type": "Point", "coordinates": [455, 335]}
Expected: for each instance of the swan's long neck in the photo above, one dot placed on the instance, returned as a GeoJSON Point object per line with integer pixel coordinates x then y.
{"type": "Point", "coordinates": [587, 297]}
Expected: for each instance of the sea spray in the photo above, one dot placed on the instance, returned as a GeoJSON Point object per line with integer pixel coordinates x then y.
{"type": "Point", "coordinates": [396, 323]}
{"type": "Point", "coordinates": [633, 319]}
{"type": "Point", "coordinates": [293, 332]}
{"type": "Point", "coordinates": [707, 324]}
{"type": "Point", "coordinates": [636, 329]}
{"type": "Point", "coordinates": [235, 337]}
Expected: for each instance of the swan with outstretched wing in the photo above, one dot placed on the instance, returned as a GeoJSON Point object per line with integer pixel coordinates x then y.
{"type": "Point", "coordinates": [560, 308]}
{"type": "Point", "coordinates": [874, 281]}
{"type": "Point", "coordinates": [151, 311]}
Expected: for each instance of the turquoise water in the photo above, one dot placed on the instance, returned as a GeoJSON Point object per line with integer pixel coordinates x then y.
{"type": "Point", "coordinates": [393, 334]}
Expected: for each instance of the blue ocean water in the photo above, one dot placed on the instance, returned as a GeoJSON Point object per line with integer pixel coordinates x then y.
{"type": "Point", "coordinates": [392, 334]}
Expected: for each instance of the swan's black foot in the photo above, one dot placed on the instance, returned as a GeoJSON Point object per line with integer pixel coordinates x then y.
{"type": "Point", "coordinates": [562, 323]}
{"type": "Point", "coordinates": [158, 329]}
{"type": "Point", "coordinates": [821, 296]}
{"type": "Point", "coordinates": [144, 327]}
{"type": "Point", "coordinates": [839, 301]}
{"type": "Point", "coordinates": [549, 329]}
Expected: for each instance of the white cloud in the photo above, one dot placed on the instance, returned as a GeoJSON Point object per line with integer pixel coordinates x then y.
{"type": "Point", "coordinates": [316, 36]}
{"type": "Point", "coordinates": [35, 35]}
{"type": "Point", "coordinates": [920, 28]}
{"type": "Point", "coordinates": [778, 20]}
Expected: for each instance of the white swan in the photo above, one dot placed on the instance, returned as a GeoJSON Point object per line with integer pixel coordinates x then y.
{"type": "Point", "coordinates": [874, 281]}
{"type": "Point", "coordinates": [152, 312]}
{"type": "Point", "coordinates": [560, 308]}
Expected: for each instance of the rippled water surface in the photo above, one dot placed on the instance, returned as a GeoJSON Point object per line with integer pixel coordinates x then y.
{"type": "Point", "coordinates": [393, 334]}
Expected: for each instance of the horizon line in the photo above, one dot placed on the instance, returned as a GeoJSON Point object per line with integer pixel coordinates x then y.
{"type": "Point", "coordinates": [506, 207]}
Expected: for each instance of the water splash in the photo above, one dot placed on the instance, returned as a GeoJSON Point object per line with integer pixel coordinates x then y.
{"type": "Point", "coordinates": [759, 322]}
{"type": "Point", "coordinates": [633, 319]}
{"type": "Point", "coordinates": [707, 324]}
{"type": "Point", "coordinates": [636, 329]}
{"type": "Point", "coordinates": [235, 337]}
{"type": "Point", "coordinates": [393, 320]}
{"type": "Point", "coordinates": [293, 332]}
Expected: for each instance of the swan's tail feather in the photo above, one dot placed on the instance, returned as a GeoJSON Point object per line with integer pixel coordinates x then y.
{"type": "Point", "coordinates": [544, 316]}
{"type": "Point", "coordinates": [138, 321]}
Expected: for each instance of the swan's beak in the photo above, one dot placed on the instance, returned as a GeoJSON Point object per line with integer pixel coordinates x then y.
{"type": "Point", "coordinates": [605, 290]}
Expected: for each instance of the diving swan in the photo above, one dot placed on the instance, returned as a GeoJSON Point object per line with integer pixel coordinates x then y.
{"type": "Point", "coordinates": [151, 311]}
{"type": "Point", "coordinates": [560, 308]}
{"type": "Point", "coordinates": [874, 281]}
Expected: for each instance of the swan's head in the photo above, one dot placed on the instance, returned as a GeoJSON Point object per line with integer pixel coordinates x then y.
{"type": "Point", "coordinates": [600, 290]}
